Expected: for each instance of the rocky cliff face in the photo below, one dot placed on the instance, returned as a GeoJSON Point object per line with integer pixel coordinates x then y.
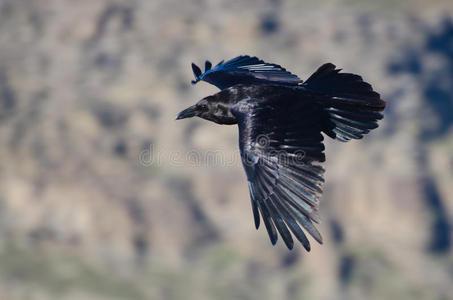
{"type": "Point", "coordinates": [105, 196]}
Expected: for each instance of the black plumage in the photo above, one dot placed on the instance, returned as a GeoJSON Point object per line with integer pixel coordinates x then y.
{"type": "Point", "coordinates": [281, 120]}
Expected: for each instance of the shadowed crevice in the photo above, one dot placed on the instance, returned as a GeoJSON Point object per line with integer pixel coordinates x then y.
{"type": "Point", "coordinates": [440, 241]}
{"type": "Point", "coordinates": [204, 228]}
{"type": "Point", "coordinates": [346, 268]}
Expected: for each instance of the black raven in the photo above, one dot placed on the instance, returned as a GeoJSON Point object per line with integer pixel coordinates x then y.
{"type": "Point", "coordinates": [280, 120]}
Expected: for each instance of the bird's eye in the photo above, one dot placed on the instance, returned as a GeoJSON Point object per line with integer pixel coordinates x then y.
{"type": "Point", "coordinates": [204, 106]}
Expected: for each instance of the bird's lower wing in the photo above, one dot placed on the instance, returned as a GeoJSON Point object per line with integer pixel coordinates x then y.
{"type": "Point", "coordinates": [280, 144]}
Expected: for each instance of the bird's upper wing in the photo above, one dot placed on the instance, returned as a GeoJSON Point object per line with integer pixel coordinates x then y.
{"type": "Point", "coordinates": [280, 141]}
{"type": "Point", "coordinates": [243, 70]}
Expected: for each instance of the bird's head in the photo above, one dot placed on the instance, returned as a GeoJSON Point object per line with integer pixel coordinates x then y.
{"type": "Point", "coordinates": [210, 108]}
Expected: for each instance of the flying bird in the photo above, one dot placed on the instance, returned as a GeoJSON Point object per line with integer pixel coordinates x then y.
{"type": "Point", "coordinates": [281, 122]}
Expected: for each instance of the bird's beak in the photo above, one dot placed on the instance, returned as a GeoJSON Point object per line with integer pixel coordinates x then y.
{"type": "Point", "coordinates": [187, 113]}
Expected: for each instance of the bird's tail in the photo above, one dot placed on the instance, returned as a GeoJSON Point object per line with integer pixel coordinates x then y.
{"type": "Point", "coordinates": [352, 106]}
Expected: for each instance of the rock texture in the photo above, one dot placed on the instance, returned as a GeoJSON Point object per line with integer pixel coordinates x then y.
{"type": "Point", "coordinates": [104, 196]}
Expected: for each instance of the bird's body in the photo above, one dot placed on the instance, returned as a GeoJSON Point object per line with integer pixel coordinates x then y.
{"type": "Point", "coordinates": [281, 120]}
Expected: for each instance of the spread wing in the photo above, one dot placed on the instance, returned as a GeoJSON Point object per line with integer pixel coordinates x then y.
{"type": "Point", "coordinates": [281, 143]}
{"type": "Point", "coordinates": [244, 70]}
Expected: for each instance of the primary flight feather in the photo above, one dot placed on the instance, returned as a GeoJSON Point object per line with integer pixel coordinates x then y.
{"type": "Point", "coordinates": [281, 120]}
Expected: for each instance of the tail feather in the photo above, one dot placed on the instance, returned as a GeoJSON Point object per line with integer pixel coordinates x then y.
{"type": "Point", "coordinates": [353, 107]}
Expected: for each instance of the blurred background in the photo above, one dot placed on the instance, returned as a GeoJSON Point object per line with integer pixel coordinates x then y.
{"type": "Point", "coordinates": [104, 196]}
